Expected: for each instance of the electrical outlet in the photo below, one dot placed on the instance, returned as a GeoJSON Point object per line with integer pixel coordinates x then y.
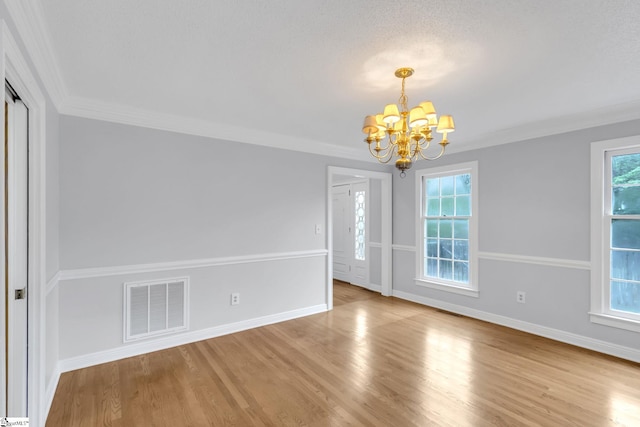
{"type": "Point", "coordinates": [318, 229]}
{"type": "Point", "coordinates": [521, 296]}
{"type": "Point", "coordinates": [235, 298]}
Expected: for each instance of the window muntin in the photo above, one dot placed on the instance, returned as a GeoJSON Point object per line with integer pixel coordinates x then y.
{"type": "Point", "coordinates": [447, 237]}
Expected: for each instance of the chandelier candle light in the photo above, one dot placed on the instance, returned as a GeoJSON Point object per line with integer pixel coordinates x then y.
{"type": "Point", "coordinates": [406, 133]}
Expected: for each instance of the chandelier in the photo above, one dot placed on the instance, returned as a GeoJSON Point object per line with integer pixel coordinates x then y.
{"type": "Point", "coordinates": [405, 133]}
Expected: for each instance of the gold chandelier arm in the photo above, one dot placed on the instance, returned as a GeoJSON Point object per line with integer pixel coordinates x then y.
{"type": "Point", "coordinates": [418, 148]}
{"type": "Point", "coordinates": [389, 142]}
{"type": "Point", "coordinates": [384, 158]}
{"type": "Point", "coordinates": [421, 150]}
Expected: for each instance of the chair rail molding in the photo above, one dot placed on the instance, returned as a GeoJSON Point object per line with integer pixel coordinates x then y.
{"type": "Point", "coordinates": [85, 273]}
{"type": "Point", "coordinates": [526, 259]}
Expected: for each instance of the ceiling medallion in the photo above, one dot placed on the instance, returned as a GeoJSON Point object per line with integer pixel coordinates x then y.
{"type": "Point", "coordinates": [405, 133]}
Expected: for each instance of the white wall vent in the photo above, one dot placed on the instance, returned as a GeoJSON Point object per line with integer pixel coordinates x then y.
{"type": "Point", "coordinates": [156, 307]}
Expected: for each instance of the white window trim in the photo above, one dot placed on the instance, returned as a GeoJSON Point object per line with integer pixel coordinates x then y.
{"type": "Point", "coordinates": [600, 234]}
{"type": "Point", "coordinates": [472, 289]}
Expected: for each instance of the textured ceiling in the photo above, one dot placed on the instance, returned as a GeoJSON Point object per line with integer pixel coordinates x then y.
{"type": "Point", "coordinates": [309, 71]}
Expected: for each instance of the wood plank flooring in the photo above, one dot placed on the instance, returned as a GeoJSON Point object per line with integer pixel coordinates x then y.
{"type": "Point", "coordinates": [372, 361]}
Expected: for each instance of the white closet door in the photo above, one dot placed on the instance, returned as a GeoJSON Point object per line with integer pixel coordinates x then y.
{"type": "Point", "coordinates": [15, 220]}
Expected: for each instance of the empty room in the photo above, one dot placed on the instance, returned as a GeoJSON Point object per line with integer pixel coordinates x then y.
{"type": "Point", "coordinates": [320, 213]}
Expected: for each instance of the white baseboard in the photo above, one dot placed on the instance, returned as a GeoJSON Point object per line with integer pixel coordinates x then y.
{"type": "Point", "coordinates": [50, 392]}
{"type": "Point", "coordinates": [375, 287]}
{"type": "Point", "coordinates": [543, 331]}
{"type": "Point", "coordinates": [136, 349]}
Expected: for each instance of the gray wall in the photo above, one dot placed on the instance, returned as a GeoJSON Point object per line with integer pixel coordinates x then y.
{"type": "Point", "coordinates": [534, 200]}
{"type": "Point", "coordinates": [133, 196]}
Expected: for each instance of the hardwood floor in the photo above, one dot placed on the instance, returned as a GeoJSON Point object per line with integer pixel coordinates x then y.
{"type": "Point", "coordinates": [372, 361]}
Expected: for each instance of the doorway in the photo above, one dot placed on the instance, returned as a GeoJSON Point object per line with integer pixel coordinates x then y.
{"type": "Point", "coordinates": [377, 251]}
{"type": "Point", "coordinates": [351, 231]}
{"type": "Point", "coordinates": [15, 251]}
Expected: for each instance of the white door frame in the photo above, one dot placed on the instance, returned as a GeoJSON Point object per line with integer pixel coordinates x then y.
{"type": "Point", "coordinates": [14, 69]}
{"type": "Point", "coordinates": [386, 221]}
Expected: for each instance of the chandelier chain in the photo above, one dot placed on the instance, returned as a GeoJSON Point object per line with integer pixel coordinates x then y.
{"type": "Point", "coordinates": [403, 98]}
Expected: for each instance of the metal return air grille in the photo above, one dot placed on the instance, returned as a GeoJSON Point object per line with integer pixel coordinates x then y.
{"type": "Point", "coordinates": [155, 308]}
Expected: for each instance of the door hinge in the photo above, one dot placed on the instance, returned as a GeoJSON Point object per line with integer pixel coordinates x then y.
{"type": "Point", "coordinates": [20, 293]}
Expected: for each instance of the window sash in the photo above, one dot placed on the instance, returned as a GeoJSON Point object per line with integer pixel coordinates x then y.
{"type": "Point", "coordinates": [608, 250]}
{"type": "Point", "coordinates": [439, 242]}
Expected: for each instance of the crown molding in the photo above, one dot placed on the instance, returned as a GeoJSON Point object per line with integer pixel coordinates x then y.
{"type": "Point", "coordinates": [562, 124]}
{"type": "Point", "coordinates": [31, 26]}
{"type": "Point", "coordinates": [118, 113]}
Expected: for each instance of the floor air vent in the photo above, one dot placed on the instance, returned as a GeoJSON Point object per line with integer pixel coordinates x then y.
{"type": "Point", "coordinates": [155, 308]}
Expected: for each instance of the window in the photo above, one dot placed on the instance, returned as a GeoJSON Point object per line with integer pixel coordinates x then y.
{"type": "Point", "coordinates": [360, 247]}
{"type": "Point", "coordinates": [447, 242]}
{"type": "Point", "coordinates": [615, 287]}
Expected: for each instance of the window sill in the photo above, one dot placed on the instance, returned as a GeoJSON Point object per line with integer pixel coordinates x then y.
{"type": "Point", "coordinates": [615, 322]}
{"type": "Point", "coordinates": [460, 290]}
